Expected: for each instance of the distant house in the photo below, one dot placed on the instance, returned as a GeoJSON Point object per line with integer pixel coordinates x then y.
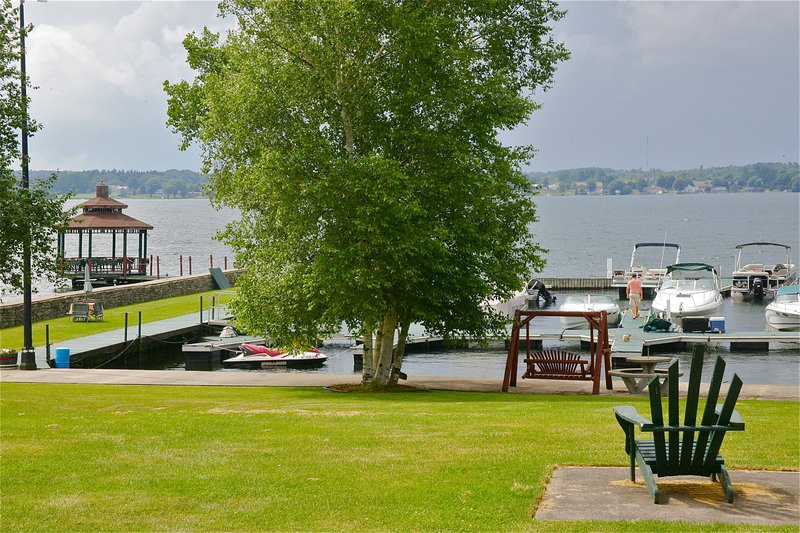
{"type": "Point", "coordinates": [719, 189]}
{"type": "Point", "coordinates": [690, 189]}
{"type": "Point", "coordinates": [653, 189]}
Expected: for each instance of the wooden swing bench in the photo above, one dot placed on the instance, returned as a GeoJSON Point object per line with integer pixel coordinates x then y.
{"type": "Point", "coordinates": [557, 364]}
{"type": "Point", "coordinates": [560, 364]}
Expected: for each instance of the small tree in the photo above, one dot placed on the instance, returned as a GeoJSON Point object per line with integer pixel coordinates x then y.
{"type": "Point", "coordinates": [359, 140]}
{"type": "Point", "coordinates": [27, 215]}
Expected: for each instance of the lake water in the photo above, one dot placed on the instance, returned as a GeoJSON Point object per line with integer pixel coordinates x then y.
{"type": "Point", "coordinates": [581, 233]}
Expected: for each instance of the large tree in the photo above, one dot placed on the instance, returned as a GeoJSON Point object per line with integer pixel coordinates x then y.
{"type": "Point", "coordinates": [359, 139]}
{"type": "Point", "coordinates": [27, 214]}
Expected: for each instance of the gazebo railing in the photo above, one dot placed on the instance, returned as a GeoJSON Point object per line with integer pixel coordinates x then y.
{"type": "Point", "coordinates": [105, 265]}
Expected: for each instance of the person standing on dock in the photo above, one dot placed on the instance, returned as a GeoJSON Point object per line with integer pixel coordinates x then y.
{"type": "Point", "coordinates": [634, 293]}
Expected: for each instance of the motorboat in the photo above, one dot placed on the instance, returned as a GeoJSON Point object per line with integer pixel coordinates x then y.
{"type": "Point", "coordinates": [589, 302]}
{"type": "Point", "coordinates": [688, 290]}
{"type": "Point", "coordinates": [533, 296]}
{"type": "Point", "coordinates": [783, 313]}
{"type": "Point", "coordinates": [255, 356]}
{"type": "Point", "coordinates": [759, 279]}
{"type": "Point", "coordinates": [649, 276]}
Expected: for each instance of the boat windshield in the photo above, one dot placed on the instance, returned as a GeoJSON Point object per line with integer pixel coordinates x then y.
{"type": "Point", "coordinates": [589, 299]}
{"type": "Point", "coordinates": [787, 298]}
{"type": "Point", "coordinates": [689, 284]}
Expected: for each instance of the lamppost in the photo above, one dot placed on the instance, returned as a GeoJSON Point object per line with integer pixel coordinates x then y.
{"type": "Point", "coordinates": [27, 358]}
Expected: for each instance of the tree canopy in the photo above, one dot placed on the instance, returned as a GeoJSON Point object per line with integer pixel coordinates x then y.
{"type": "Point", "coordinates": [359, 140]}
{"type": "Point", "coordinates": [27, 215]}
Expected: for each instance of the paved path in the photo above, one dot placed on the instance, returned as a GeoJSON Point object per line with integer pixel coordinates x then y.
{"type": "Point", "coordinates": [308, 379]}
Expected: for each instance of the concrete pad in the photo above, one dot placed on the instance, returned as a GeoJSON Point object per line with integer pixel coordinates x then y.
{"type": "Point", "coordinates": [607, 493]}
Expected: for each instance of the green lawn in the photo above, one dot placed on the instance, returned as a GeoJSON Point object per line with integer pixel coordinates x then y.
{"type": "Point", "coordinates": [63, 328]}
{"type": "Point", "coordinates": [131, 458]}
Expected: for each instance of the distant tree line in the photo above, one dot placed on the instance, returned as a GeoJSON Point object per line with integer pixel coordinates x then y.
{"type": "Point", "coordinates": [750, 178]}
{"type": "Point", "coordinates": [168, 183]}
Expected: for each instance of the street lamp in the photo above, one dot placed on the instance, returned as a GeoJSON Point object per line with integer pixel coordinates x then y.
{"type": "Point", "coordinates": [27, 358]}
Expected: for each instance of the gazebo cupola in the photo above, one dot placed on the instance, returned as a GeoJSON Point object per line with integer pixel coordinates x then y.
{"type": "Point", "coordinates": [110, 262]}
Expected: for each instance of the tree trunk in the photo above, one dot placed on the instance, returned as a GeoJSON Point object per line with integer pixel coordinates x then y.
{"type": "Point", "coordinates": [399, 352]}
{"type": "Point", "coordinates": [383, 361]}
{"type": "Point", "coordinates": [368, 372]}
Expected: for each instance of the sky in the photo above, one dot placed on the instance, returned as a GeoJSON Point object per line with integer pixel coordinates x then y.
{"type": "Point", "coordinates": [650, 84]}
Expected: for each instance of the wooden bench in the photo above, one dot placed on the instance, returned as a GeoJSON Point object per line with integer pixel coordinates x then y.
{"type": "Point", "coordinates": [557, 364]}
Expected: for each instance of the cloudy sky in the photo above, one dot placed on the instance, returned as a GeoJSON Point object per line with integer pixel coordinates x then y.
{"type": "Point", "coordinates": [669, 85]}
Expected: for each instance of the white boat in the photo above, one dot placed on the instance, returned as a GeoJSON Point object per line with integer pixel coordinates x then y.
{"type": "Point", "coordinates": [688, 290]}
{"type": "Point", "coordinates": [589, 302]}
{"type": "Point", "coordinates": [783, 313]}
{"type": "Point", "coordinates": [759, 279]}
{"type": "Point", "coordinates": [649, 276]}
{"type": "Point", "coordinates": [253, 355]}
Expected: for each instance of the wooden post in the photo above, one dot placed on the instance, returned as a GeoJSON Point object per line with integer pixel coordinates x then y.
{"type": "Point", "coordinates": [126, 328]}
{"type": "Point", "coordinates": [190, 265]}
{"type": "Point", "coordinates": [47, 343]}
{"type": "Point", "coordinates": [158, 267]}
{"type": "Point", "coordinates": [211, 261]}
{"type": "Point", "coordinates": [181, 262]}
{"type": "Point", "coordinates": [226, 262]}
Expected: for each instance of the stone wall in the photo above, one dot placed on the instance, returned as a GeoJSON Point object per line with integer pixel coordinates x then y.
{"type": "Point", "coordinates": [57, 306]}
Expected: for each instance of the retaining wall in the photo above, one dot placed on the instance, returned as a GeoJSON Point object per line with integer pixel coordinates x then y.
{"type": "Point", "coordinates": [57, 306]}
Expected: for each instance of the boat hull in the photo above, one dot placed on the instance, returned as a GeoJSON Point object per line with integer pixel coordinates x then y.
{"type": "Point", "coordinates": [679, 305]}
{"type": "Point", "coordinates": [783, 318]}
{"type": "Point", "coordinates": [304, 360]}
{"type": "Point", "coordinates": [571, 322]}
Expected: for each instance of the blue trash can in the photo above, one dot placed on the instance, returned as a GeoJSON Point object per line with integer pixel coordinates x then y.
{"type": "Point", "coordinates": [62, 357]}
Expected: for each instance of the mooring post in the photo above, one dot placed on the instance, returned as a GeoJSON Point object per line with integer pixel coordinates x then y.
{"type": "Point", "coordinates": [213, 307]}
{"type": "Point", "coordinates": [211, 261]}
{"type": "Point", "coordinates": [139, 337]}
{"type": "Point", "coordinates": [181, 261]}
{"type": "Point", "coordinates": [190, 265]}
{"type": "Point", "coordinates": [158, 267]}
{"type": "Point", "coordinates": [126, 328]}
{"type": "Point", "coordinates": [226, 262]}
{"type": "Point", "coordinates": [201, 310]}
{"type": "Point", "coordinates": [47, 343]}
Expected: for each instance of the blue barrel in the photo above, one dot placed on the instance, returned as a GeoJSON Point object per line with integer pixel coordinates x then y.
{"type": "Point", "coordinates": [62, 357]}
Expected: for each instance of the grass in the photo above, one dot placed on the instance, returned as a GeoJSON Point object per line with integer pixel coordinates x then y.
{"type": "Point", "coordinates": [63, 328]}
{"type": "Point", "coordinates": [131, 458]}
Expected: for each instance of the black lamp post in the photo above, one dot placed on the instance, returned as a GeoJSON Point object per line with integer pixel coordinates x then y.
{"type": "Point", "coordinates": [27, 358]}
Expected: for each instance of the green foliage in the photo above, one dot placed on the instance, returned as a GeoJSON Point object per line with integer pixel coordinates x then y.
{"type": "Point", "coordinates": [359, 139]}
{"type": "Point", "coordinates": [294, 459]}
{"type": "Point", "coordinates": [755, 177]}
{"type": "Point", "coordinates": [28, 216]}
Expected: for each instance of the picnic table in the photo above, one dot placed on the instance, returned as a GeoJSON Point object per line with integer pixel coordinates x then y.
{"type": "Point", "coordinates": [636, 379]}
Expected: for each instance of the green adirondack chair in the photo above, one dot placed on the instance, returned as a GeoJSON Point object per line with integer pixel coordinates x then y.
{"type": "Point", "coordinates": [683, 449]}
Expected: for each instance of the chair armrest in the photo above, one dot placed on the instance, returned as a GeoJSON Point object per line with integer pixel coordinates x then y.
{"type": "Point", "coordinates": [736, 418]}
{"type": "Point", "coordinates": [629, 414]}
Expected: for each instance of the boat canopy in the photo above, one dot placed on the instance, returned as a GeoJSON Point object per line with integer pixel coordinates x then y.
{"type": "Point", "coordinates": [788, 289]}
{"type": "Point", "coordinates": [740, 246]}
{"type": "Point", "coordinates": [690, 267]}
{"type": "Point", "coordinates": [663, 244]}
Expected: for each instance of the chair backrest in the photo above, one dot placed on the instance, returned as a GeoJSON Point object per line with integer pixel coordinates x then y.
{"type": "Point", "coordinates": [693, 447]}
{"type": "Point", "coordinates": [80, 309]}
{"type": "Point", "coordinates": [560, 363]}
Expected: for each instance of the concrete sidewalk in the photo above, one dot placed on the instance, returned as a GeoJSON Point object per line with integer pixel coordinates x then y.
{"type": "Point", "coordinates": [310, 379]}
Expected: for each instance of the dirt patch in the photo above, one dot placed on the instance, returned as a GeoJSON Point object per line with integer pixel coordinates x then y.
{"type": "Point", "coordinates": [359, 388]}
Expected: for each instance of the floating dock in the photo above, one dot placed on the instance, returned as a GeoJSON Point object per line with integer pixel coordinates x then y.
{"type": "Point", "coordinates": [629, 339]}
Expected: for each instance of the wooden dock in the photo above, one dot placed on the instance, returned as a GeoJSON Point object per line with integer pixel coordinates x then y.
{"type": "Point", "coordinates": [118, 340]}
{"type": "Point", "coordinates": [629, 339]}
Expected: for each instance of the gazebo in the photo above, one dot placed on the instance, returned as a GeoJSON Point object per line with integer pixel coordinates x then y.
{"type": "Point", "coordinates": [102, 216]}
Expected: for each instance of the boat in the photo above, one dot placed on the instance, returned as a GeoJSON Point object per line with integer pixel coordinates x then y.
{"type": "Point", "coordinates": [688, 290]}
{"type": "Point", "coordinates": [589, 302]}
{"type": "Point", "coordinates": [650, 276]}
{"type": "Point", "coordinates": [255, 356]}
{"type": "Point", "coordinates": [759, 279]}
{"type": "Point", "coordinates": [783, 313]}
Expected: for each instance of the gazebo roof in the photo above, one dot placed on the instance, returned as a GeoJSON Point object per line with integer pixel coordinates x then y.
{"type": "Point", "coordinates": [104, 213]}
{"type": "Point", "coordinates": [106, 221]}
